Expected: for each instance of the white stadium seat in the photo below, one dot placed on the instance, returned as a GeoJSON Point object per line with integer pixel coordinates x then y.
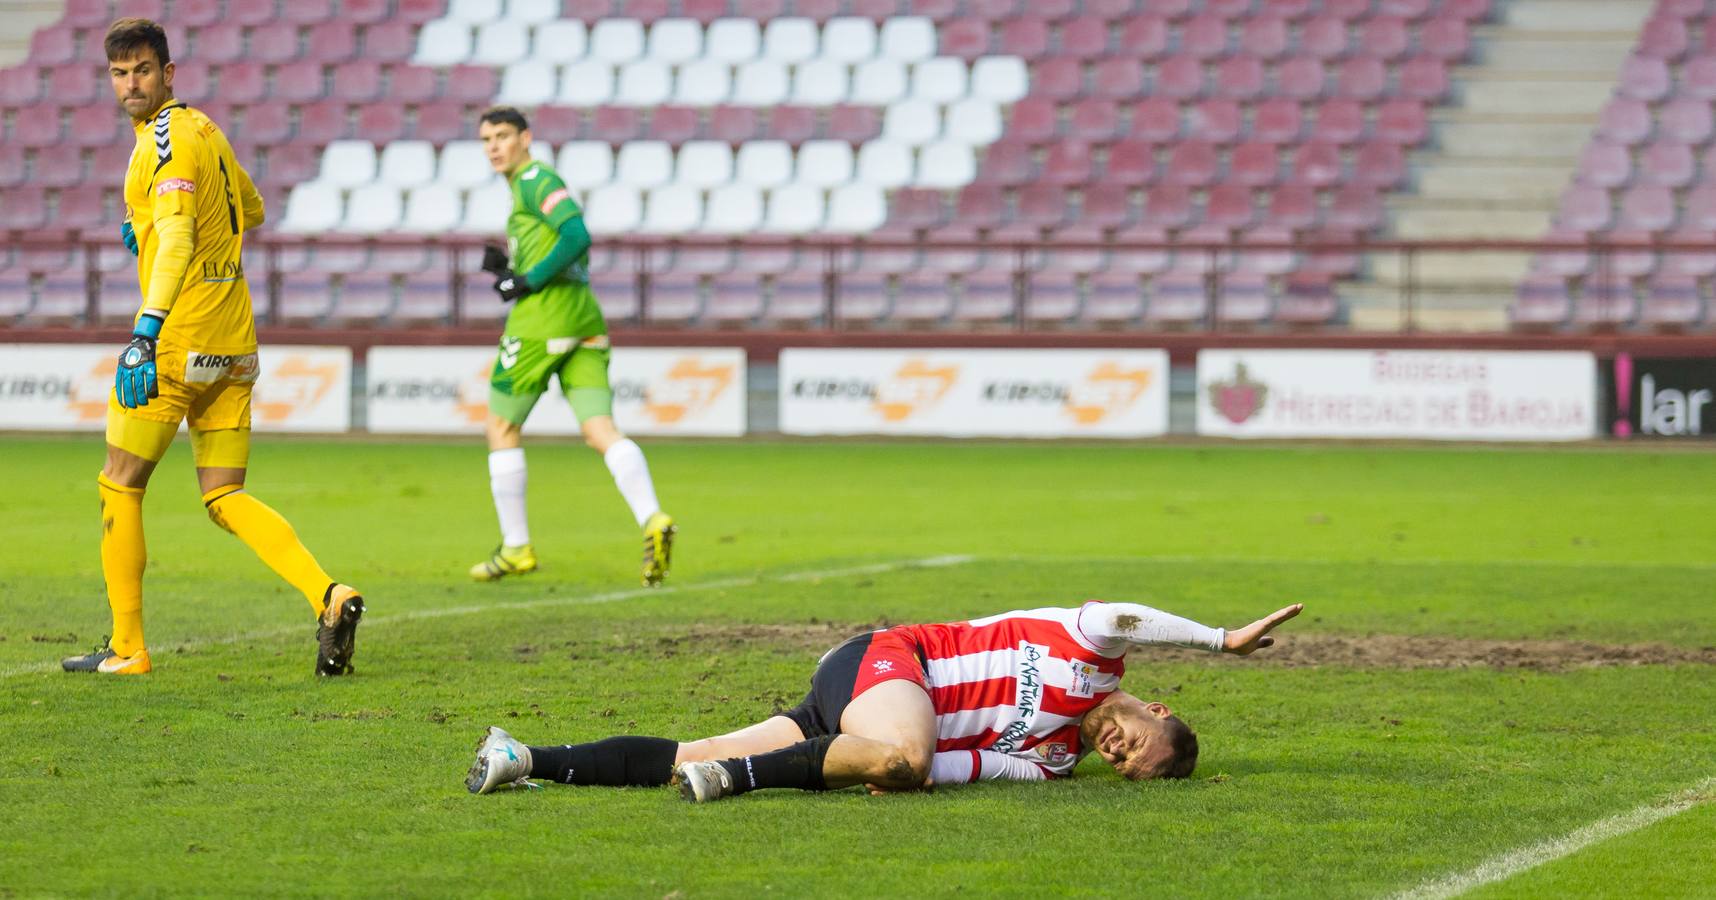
{"type": "Point", "coordinates": [585, 164]}
{"type": "Point", "coordinates": [760, 82]}
{"type": "Point", "coordinates": [704, 164]}
{"type": "Point", "coordinates": [443, 42]}
{"type": "Point", "coordinates": [673, 209]}
{"type": "Point", "coordinates": [793, 209]}
{"type": "Point", "coordinates": [529, 83]}
{"type": "Point", "coordinates": [644, 164]}
{"type": "Point", "coordinates": [407, 164]}
{"type": "Point", "coordinates": [879, 82]}
{"type": "Point", "coordinates": [824, 164]}
{"type": "Point", "coordinates": [908, 39]}
{"type": "Point", "coordinates": [914, 122]}
{"type": "Point", "coordinates": [946, 164]}
{"type": "Point", "coordinates": [734, 209]}
{"type": "Point", "coordinates": [312, 207]}
{"type": "Point", "coordinates": [374, 208]}
{"type": "Point", "coordinates": [675, 41]}
{"type": "Point", "coordinates": [705, 82]}
{"type": "Point", "coordinates": [764, 164]}
{"type": "Point", "coordinates": [348, 164]}
{"type": "Point", "coordinates": [975, 121]}
{"type": "Point", "coordinates": [885, 164]}
{"type": "Point", "coordinates": [533, 12]}
{"type": "Point", "coordinates": [1002, 79]}
{"type": "Point", "coordinates": [475, 12]}
{"type": "Point", "coordinates": [617, 40]}
{"type": "Point", "coordinates": [789, 39]}
{"type": "Point", "coordinates": [939, 80]}
{"type": "Point", "coordinates": [432, 209]}
{"type": "Point", "coordinates": [856, 209]}
{"type": "Point", "coordinates": [487, 209]}
{"type": "Point", "coordinates": [561, 41]}
{"type": "Point", "coordinates": [848, 40]}
{"type": "Point", "coordinates": [732, 40]}
{"type": "Point", "coordinates": [820, 82]}
{"type": "Point", "coordinates": [464, 165]}
{"type": "Point", "coordinates": [644, 82]}
{"type": "Point", "coordinates": [588, 82]}
{"type": "Point", "coordinates": [613, 209]}
{"type": "Point", "coordinates": [501, 43]}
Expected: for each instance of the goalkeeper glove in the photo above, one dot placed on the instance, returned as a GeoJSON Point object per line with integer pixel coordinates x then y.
{"type": "Point", "coordinates": [511, 286]}
{"type": "Point", "coordinates": [129, 236]}
{"type": "Point", "coordinates": [135, 380]}
{"type": "Point", "coordinates": [495, 262]}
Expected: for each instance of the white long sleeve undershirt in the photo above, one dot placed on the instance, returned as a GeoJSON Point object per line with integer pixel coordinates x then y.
{"type": "Point", "coordinates": [1114, 626]}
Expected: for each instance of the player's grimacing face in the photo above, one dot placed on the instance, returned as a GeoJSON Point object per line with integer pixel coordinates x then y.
{"type": "Point", "coordinates": [504, 145]}
{"type": "Point", "coordinates": [140, 83]}
{"type": "Point", "coordinates": [1132, 741]}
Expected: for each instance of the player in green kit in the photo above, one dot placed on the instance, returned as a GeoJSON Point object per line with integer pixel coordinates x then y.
{"type": "Point", "coordinates": [554, 331]}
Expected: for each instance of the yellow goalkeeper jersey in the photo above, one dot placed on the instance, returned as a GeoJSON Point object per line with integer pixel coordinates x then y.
{"type": "Point", "coordinates": [183, 165]}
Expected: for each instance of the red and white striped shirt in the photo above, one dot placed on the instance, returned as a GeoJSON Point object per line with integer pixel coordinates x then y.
{"type": "Point", "coordinates": [1010, 690]}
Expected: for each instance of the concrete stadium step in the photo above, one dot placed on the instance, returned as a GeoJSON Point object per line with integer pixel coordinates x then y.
{"type": "Point", "coordinates": [1489, 271]}
{"type": "Point", "coordinates": [1380, 308]}
{"type": "Point", "coordinates": [1451, 178]}
{"type": "Point", "coordinates": [1536, 95]}
{"type": "Point", "coordinates": [1421, 218]}
{"type": "Point", "coordinates": [1576, 15]}
{"type": "Point", "coordinates": [1464, 135]}
{"type": "Point", "coordinates": [23, 18]}
{"type": "Point", "coordinates": [1514, 50]}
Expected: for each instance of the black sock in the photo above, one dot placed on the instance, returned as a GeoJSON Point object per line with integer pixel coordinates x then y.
{"type": "Point", "coordinates": [615, 762]}
{"type": "Point", "coordinates": [798, 766]}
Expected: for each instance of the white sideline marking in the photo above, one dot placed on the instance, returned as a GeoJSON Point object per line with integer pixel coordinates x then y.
{"type": "Point", "coordinates": [1515, 861]}
{"type": "Point", "coordinates": [1400, 563]}
{"type": "Point", "coordinates": [928, 562]}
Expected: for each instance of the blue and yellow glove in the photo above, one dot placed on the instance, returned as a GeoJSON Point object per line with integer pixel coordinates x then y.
{"type": "Point", "coordinates": [129, 236]}
{"type": "Point", "coordinates": [134, 383]}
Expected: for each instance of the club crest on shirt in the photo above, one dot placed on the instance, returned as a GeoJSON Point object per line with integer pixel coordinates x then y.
{"type": "Point", "coordinates": [1055, 753]}
{"type": "Point", "coordinates": [1082, 675]}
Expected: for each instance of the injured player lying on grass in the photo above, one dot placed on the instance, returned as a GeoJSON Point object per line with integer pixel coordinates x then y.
{"type": "Point", "coordinates": [1022, 695]}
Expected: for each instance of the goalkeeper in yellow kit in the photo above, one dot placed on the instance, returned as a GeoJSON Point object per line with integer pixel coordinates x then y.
{"type": "Point", "coordinates": [192, 357]}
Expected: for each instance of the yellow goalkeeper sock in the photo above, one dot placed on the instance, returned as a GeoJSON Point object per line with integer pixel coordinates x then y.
{"type": "Point", "coordinates": [122, 558]}
{"type": "Point", "coordinates": [271, 536]}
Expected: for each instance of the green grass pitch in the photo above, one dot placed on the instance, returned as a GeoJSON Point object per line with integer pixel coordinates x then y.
{"type": "Point", "coordinates": [1438, 704]}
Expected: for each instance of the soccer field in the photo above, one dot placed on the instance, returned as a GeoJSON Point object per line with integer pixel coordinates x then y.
{"type": "Point", "coordinates": [1500, 648]}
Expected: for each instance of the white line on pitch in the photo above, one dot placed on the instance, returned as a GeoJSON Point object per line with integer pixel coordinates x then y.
{"type": "Point", "coordinates": [1397, 563]}
{"type": "Point", "coordinates": [1515, 861]}
{"type": "Point", "coordinates": [928, 562]}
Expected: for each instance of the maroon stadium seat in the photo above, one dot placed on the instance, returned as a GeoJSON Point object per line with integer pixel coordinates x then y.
{"type": "Point", "coordinates": [1663, 37]}
{"type": "Point", "coordinates": [249, 12]}
{"type": "Point", "coordinates": [298, 82]}
{"type": "Point", "coordinates": [319, 123]}
{"type": "Point", "coordinates": [43, 128]}
{"type": "Point", "coordinates": [854, 123]}
{"type": "Point", "coordinates": [1103, 211]}
{"type": "Point", "coordinates": [1542, 299]}
{"type": "Point", "coordinates": [1356, 207]}
{"type": "Point", "coordinates": [1167, 206]}
{"type": "Point", "coordinates": [875, 10]}
{"type": "Point", "coordinates": [97, 126]}
{"type": "Point", "coordinates": [1346, 10]}
{"type": "Point", "coordinates": [1570, 262]}
{"type": "Point", "coordinates": [1698, 76]}
{"type": "Point", "coordinates": [1466, 10]}
{"type": "Point", "coordinates": [356, 82]}
{"type": "Point", "coordinates": [331, 42]}
{"type": "Point", "coordinates": [1624, 121]}
{"type": "Point", "coordinates": [1339, 121]}
{"type": "Point", "coordinates": [1131, 163]}
{"type": "Point", "coordinates": [966, 39]}
{"type": "Point", "coordinates": [55, 45]}
{"type": "Point", "coordinates": [1646, 208]}
{"type": "Point", "coordinates": [1058, 79]}
{"type": "Point", "coordinates": [1254, 164]}
{"type": "Point", "coordinates": [1229, 9]}
{"type": "Point", "coordinates": [276, 42]}
{"type": "Point", "coordinates": [381, 123]}
{"type": "Point", "coordinates": [1034, 119]}
{"type": "Point", "coordinates": [1171, 9]}
{"type": "Point", "coordinates": [1606, 302]}
{"type": "Point", "coordinates": [1055, 10]}
{"type": "Point", "coordinates": [986, 295]}
{"type": "Point", "coordinates": [1094, 120]}
{"type": "Point", "coordinates": [1266, 261]}
{"type": "Point", "coordinates": [733, 124]}
{"type": "Point", "coordinates": [818, 10]}
{"type": "Point", "coordinates": [82, 207]}
{"type": "Point", "coordinates": [1294, 206]}
{"type": "Point", "coordinates": [475, 85]}
{"type": "Point", "coordinates": [797, 294]}
{"type": "Point", "coordinates": [86, 14]}
{"type": "Point", "coordinates": [1323, 37]}
{"type": "Point", "coordinates": [648, 11]}
{"type": "Point", "coordinates": [1155, 119]}
{"type": "Point", "coordinates": [1683, 9]}
{"type": "Point", "coordinates": [1424, 78]}
{"type": "Point", "coordinates": [1604, 165]}
{"type": "Point", "coordinates": [1645, 78]}
{"type": "Point", "coordinates": [1191, 163]}
{"type": "Point", "coordinates": [75, 85]}
{"type": "Point", "coordinates": [1240, 78]}
{"type": "Point", "coordinates": [1180, 78]}
{"type": "Point", "coordinates": [419, 12]}
{"type": "Point", "coordinates": [192, 83]}
{"type": "Point", "coordinates": [1685, 119]}
{"type": "Point", "coordinates": [267, 123]}
{"type": "Point", "coordinates": [217, 44]}
{"type": "Point", "coordinates": [1084, 38]}
{"type": "Point", "coordinates": [1379, 165]}
{"type": "Point", "coordinates": [1667, 163]}
{"type": "Point", "coordinates": [25, 209]}
{"type": "Point", "coordinates": [1672, 301]}
{"type": "Point", "coordinates": [1630, 263]}
{"type": "Point", "coordinates": [20, 85]}
{"type": "Point", "coordinates": [1178, 298]}
{"type": "Point", "coordinates": [306, 12]}
{"type": "Point", "coordinates": [1405, 9]}
{"type": "Point", "coordinates": [918, 208]}
{"type": "Point", "coordinates": [557, 124]}
{"type": "Point", "coordinates": [1052, 295]}
{"type": "Point", "coordinates": [757, 9]}
{"type": "Point", "coordinates": [1229, 206]}
{"type": "Point", "coordinates": [1042, 206]}
{"type": "Point", "coordinates": [197, 13]}
{"type": "Point", "coordinates": [1067, 164]}
{"type": "Point", "coordinates": [922, 297]}
{"type": "Point", "coordinates": [387, 42]}
{"type": "Point", "coordinates": [1308, 299]}
{"type": "Point", "coordinates": [1383, 37]}
{"type": "Point", "coordinates": [1216, 121]}
{"type": "Point", "coordinates": [1203, 37]}
{"type": "Point", "coordinates": [678, 124]}
{"type": "Point", "coordinates": [1322, 256]}
{"type": "Point", "coordinates": [241, 83]}
{"type": "Point", "coordinates": [1113, 297]}
{"type": "Point", "coordinates": [364, 12]}
{"type": "Point", "coordinates": [1300, 78]}
{"type": "Point", "coordinates": [619, 124]}
{"type": "Point", "coordinates": [412, 84]}
{"type": "Point", "coordinates": [58, 170]}
{"type": "Point", "coordinates": [12, 169]}
{"type": "Point", "coordinates": [1584, 209]}
{"type": "Point", "coordinates": [1361, 78]}
{"type": "Point", "coordinates": [1006, 163]}
{"type": "Point", "coordinates": [112, 158]}
{"type": "Point", "coordinates": [1277, 120]}
{"type": "Point", "coordinates": [1699, 214]}
{"type": "Point", "coordinates": [291, 164]}
{"type": "Point", "coordinates": [1243, 298]}
{"type": "Point", "coordinates": [793, 124]}
{"type": "Point", "coordinates": [1118, 78]}
{"type": "Point", "coordinates": [1143, 38]}
{"type": "Point", "coordinates": [1403, 122]}
{"type": "Point", "coordinates": [1264, 36]}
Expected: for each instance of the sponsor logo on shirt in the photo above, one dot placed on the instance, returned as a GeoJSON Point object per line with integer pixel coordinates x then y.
{"type": "Point", "coordinates": [1082, 673]}
{"type": "Point", "coordinates": [1029, 698]}
{"type": "Point", "coordinates": [553, 199]}
{"type": "Point", "coordinates": [175, 184]}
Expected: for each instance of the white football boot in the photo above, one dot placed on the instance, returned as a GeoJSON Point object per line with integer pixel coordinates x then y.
{"type": "Point", "coordinates": [501, 762]}
{"type": "Point", "coordinates": [703, 782]}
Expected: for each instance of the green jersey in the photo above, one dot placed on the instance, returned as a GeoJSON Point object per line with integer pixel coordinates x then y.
{"type": "Point", "coordinates": [565, 306]}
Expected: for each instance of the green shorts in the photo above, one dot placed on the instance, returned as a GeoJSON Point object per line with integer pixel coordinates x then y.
{"type": "Point", "coordinates": [523, 367]}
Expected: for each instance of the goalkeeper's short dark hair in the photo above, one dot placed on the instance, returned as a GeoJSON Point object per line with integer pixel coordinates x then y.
{"type": "Point", "coordinates": [505, 115]}
{"type": "Point", "coordinates": [126, 37]}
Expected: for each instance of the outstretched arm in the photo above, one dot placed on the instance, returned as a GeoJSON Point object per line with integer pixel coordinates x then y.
{"type": "Point", "coordinates": [1114, 625]}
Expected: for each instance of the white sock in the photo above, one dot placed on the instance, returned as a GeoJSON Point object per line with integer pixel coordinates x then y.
{"type": "Point", "coordinates": [631, 475]}
{"type": "Point", "coordinates": [506, 480]}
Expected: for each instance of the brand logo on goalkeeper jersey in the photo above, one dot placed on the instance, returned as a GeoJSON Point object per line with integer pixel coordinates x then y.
{"type": "Point", "coordinates": [1238, 398]}
{"type": "Point", "coordinates": [175, 184]}
{"type": "Point", "coordinates": [916, 385]}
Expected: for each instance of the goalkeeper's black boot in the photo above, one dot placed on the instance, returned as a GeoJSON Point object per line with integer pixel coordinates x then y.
{"type": "Point", "coordinates": [336, 630]}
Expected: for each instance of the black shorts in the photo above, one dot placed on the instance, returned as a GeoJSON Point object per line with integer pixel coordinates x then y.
{"type": "Point", "coordinates": [847, 671]}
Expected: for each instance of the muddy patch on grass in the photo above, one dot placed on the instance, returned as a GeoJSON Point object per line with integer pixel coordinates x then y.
{"type": "Point", "coordinates": [813, 637]}
{"type": "Point", "coordinates": [1393, 651]}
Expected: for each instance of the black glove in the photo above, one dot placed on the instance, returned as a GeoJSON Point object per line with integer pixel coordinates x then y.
{"type": "Point", "coordinates": [495, 261]}
{"type": "Point", "coordinates": [511, 286]}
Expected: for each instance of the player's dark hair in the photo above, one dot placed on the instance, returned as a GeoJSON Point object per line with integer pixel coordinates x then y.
{"type": "Point", "coordinates": [505, 115]}
{"type": "Point", "coordinates": [127, 37]}
{"type": "Point", "coordinates": [1185, 745]}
